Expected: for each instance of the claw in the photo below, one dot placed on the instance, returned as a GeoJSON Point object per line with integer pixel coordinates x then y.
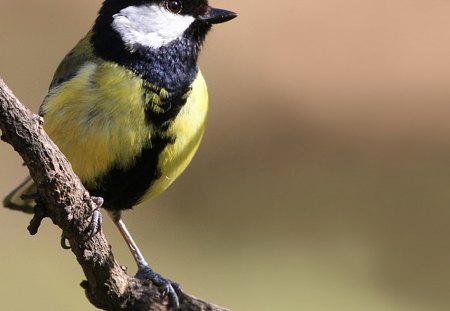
{"type": "Point", "coordinates": [94, 226]}
{"type": "Point", "coordinates": [96, 221]}
{"type": "Point", "coordinates": [166, 287]}
{"type": "Point", "coordinates": [174, 301]}
{"type": "Point", "coordinates": [64, 239]}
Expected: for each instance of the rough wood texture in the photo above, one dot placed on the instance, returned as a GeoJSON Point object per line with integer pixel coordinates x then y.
{"type": "Point", "coordinates": [63, 198]}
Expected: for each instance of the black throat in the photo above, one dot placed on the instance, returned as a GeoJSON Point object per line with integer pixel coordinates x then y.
{"type": "Point", "coordinates": [173, 66]}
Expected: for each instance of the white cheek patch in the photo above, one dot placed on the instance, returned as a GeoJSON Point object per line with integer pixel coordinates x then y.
{"type": "Point", "coordinates": [149, 25]}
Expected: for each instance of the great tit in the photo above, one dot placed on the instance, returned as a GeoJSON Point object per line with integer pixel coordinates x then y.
{"type": "Point", "coordinates": [127, 106]}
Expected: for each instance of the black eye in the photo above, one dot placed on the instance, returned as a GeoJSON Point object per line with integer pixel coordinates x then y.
{"type": "Point", "coordinates": [174, 6]}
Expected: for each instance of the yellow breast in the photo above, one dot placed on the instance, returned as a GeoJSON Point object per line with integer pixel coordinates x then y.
{"type": "Point", "coordinates": [97, 119]}
{"type": "Point", "coordinates": [188, 129]}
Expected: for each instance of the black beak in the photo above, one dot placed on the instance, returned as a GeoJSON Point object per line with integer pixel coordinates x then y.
{"type": "Point", "coordinates": [217, 16]}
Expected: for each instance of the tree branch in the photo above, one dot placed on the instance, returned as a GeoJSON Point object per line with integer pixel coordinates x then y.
{"type": "Point", "coordinates": [63, 198]}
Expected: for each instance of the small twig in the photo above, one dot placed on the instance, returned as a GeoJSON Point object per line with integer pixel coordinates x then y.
{"type": "Point", "coordinates": [39, 214]}
{"type": "Point", "coordinates": [69, 206]}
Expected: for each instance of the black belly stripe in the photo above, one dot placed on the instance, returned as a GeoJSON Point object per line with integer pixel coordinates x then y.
{"type": "Point", "coordinates": [123, 188]}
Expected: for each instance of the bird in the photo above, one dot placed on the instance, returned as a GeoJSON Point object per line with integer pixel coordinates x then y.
{"type": "Point", "coordinates": [127, 106]}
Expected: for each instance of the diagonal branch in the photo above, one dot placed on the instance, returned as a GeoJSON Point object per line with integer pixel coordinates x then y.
{"type": "Point", "coordinates": [63, 198]}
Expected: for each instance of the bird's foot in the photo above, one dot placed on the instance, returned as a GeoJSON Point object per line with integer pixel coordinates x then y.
{"type": "Point", "coordinates": [94, 226]}
{"type": "Point", "coordinates": [29, 196]}
{"type": "Point", "coordinates": [96, 221]}
{"type": "Point", "coordinates": [166, 287]}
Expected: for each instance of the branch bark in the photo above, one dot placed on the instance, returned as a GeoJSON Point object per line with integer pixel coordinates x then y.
{"type": "Point", "coordinates": [63, 198]}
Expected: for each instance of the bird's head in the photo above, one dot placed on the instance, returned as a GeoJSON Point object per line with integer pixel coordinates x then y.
{"type": "Point", "coordinates": [156, 39]}
{"type": "Point", "coordinates": [157, 23]}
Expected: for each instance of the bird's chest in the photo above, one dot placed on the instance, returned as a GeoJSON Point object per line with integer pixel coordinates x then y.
{"type": "Point", "coordinates": [97, 119]}
{"type": "Point", "coordinates": [120, 135]}
{"type": "Point", "coordinates": [186, 129]}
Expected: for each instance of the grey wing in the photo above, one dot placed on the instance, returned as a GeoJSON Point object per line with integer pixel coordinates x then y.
{"type": "Point", "coordinates": [71, 63]}
{"type": "Point", "coordinates": [22, 197]}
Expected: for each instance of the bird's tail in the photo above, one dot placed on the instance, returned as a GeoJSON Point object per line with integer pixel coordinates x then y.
{"type": "Point", "coordinates": [22, 198]}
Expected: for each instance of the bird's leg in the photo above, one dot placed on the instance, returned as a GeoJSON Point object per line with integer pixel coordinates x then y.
{"type": "Point", "coordinates": [166, 287]}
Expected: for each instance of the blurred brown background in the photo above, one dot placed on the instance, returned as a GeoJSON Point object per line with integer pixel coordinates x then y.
{"type": "Point", "coordinates": [323, 179]}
